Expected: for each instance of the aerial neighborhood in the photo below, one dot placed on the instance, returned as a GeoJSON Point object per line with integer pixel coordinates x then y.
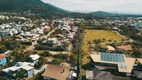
{"type": "Point", "coordinates": [39, 41]}
{"type": "Point", "coordinates": [51, 50]}
{"type": "Point", "coordinates": [28, 50]}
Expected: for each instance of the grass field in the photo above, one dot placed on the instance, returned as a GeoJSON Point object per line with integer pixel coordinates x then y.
{"type": "Point", "coordinates": [90, 35]}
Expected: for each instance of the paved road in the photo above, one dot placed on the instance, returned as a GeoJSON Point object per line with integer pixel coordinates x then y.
{"type": "Point", "coordinates": [45, 36]}
{"type": "Point", "coordinates": [32, 47]}
{"type": "Point", "coordinates": [63, 52]}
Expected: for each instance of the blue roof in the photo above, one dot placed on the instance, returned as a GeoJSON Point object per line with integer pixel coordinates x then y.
{"type": "Point", "coordinates": [75, 67]}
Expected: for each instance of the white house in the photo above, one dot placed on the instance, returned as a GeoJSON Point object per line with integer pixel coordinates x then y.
{"type": "Point", "coordinates": [34, 57]}
{"type": "Point", "coordinates": [11, 71]}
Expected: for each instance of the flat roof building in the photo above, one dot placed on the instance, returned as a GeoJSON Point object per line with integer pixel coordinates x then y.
{"type": "Point", "coordinates": [56, 72]}
{"type": "Point", "coordinates": [125, 64]}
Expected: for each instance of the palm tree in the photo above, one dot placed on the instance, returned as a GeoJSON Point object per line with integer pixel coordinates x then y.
{"type": "Point", "coordinates": [128, 39]}
{"type": "Point", "coordinates": [122, 41]}
{"type": "Point", "coordinates": [21, 73]}
{"type": "Point", "coordinates": [97, 41]}
{"type": "Point", "coordinates": [88, 43]}
{"type": "Point", "coordinates": [103, 39]}
{"type": "Point", "coordinates": [109, 40]}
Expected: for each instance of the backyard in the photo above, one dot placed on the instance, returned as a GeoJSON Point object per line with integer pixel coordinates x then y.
{"type": "Point", "coordinates": [89, 36]}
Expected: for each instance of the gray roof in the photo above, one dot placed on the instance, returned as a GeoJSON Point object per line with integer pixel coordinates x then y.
{"type": "Point", "coordinates": [98, 75]}
{"type": "Point", "coordinates": [138, 74]}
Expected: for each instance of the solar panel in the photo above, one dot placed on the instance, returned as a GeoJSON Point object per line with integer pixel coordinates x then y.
{"type": "Point", "coordinates": [112, 57]}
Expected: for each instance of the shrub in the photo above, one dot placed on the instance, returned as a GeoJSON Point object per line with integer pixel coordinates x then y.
{"type": "Point", "coordinates": [2, 78]}
{"type": "Point", "coordinates": [45, 53]}
{"type": "Point", "coordinates": [74, 58]}
{"type": "Point", "coordinates": [56, 61]}
{"type": "Point", "coordinates": [45, 47]}
{"type": "Point", "coordinates": [2, 48]}
{"type": "Point", "coordinates": [61, 56]}
{"type": "Point", "coordinates": [42, 60]}
{"type": "Point", "coordinates": [38, 65]}
{"type": "Point", "coordinates": [26, 43]}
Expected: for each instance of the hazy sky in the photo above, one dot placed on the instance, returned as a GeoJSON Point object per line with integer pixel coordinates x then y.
{"type": "Point", "coordinates": [131, 6]}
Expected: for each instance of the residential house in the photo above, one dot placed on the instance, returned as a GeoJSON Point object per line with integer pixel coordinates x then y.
{"type": "Point", "coordinates": [4, 34]}
{"type": "Point", "coordinates": [56, 72]}
{"type": "Point", "coordinates": [34, 57]}
{"type": "Point", "coordinates": [124, 47]}
{"type": "Point", "coordinates": [114, 61]}
{"type": "Point", "coordinates": [13, 31]}
{"type": "Point", "coordinates": [70, 35]}
{"type": "Point", "coordinates": [8, 52]}
{"type": "Point", "coordinates": [39, 30]}
{"type": "Point", "coordinates": [115, 29]}
{"type": "Point", "coordinates": [3, 60]}
{"type": "Point", "coordinates": [44, 23]}
{"type": "Point", "coordinates": [110, 49]}
{"type": "Point", "coordinates": [74, 28]}
{"type": "Point", "coordinates": [51, 41]}
{"type": "Point", "coordinates": [98, 75]}
{"type": "Point", "coordinates": [26, 36]}
{"type": "Point", "coordinates": [67, 27]}
{"type": "Point", "coordinates": [46, 29]}
{"type": "Point", "coordinates": [11, 71]}
{"type": "Point", "coordinates": [138, 25]}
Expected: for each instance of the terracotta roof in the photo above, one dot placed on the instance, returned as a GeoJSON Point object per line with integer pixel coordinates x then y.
{"type": "Point", "coordinates": [125, 47]}
{"type": "Point", "coordinates": [60, 35]}
{"type": "Point", "coordinates": [2, 56]}
{"type": "Point", "coordinates": [56, 72]}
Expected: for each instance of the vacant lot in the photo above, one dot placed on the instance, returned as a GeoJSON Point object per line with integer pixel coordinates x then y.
{"type": "Point", "coordinates": [90, 35]}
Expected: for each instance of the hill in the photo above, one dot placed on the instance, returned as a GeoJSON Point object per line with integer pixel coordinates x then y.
{"type": "Point", "coordinates": [107, 14]}
{"type": "Point", "coordinates": [46, 10]}
{"type": "Point", "coordinates": [31, 6]}
{"type": "Point", "coordinates": [101, 13]}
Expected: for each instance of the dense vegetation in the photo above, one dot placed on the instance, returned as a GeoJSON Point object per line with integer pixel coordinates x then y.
{"type": "Point", "coordinates": [10, 45]}
{"type": "Point", "coordinates": [31, 7]}
{"type": "Point", "coordinates": [52, 48]}
{"type": "Point", "coordinates": [39, 9]}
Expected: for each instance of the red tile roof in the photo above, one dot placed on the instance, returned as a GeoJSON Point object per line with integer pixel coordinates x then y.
{"type": "Point", "coordinates": [125, 47]}
{"type": "Point", "coordinates": [2, 56]}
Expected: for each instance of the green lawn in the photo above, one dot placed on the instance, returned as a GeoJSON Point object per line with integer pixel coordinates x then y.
{"type": "Point", "coordinates": [90, 35]}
